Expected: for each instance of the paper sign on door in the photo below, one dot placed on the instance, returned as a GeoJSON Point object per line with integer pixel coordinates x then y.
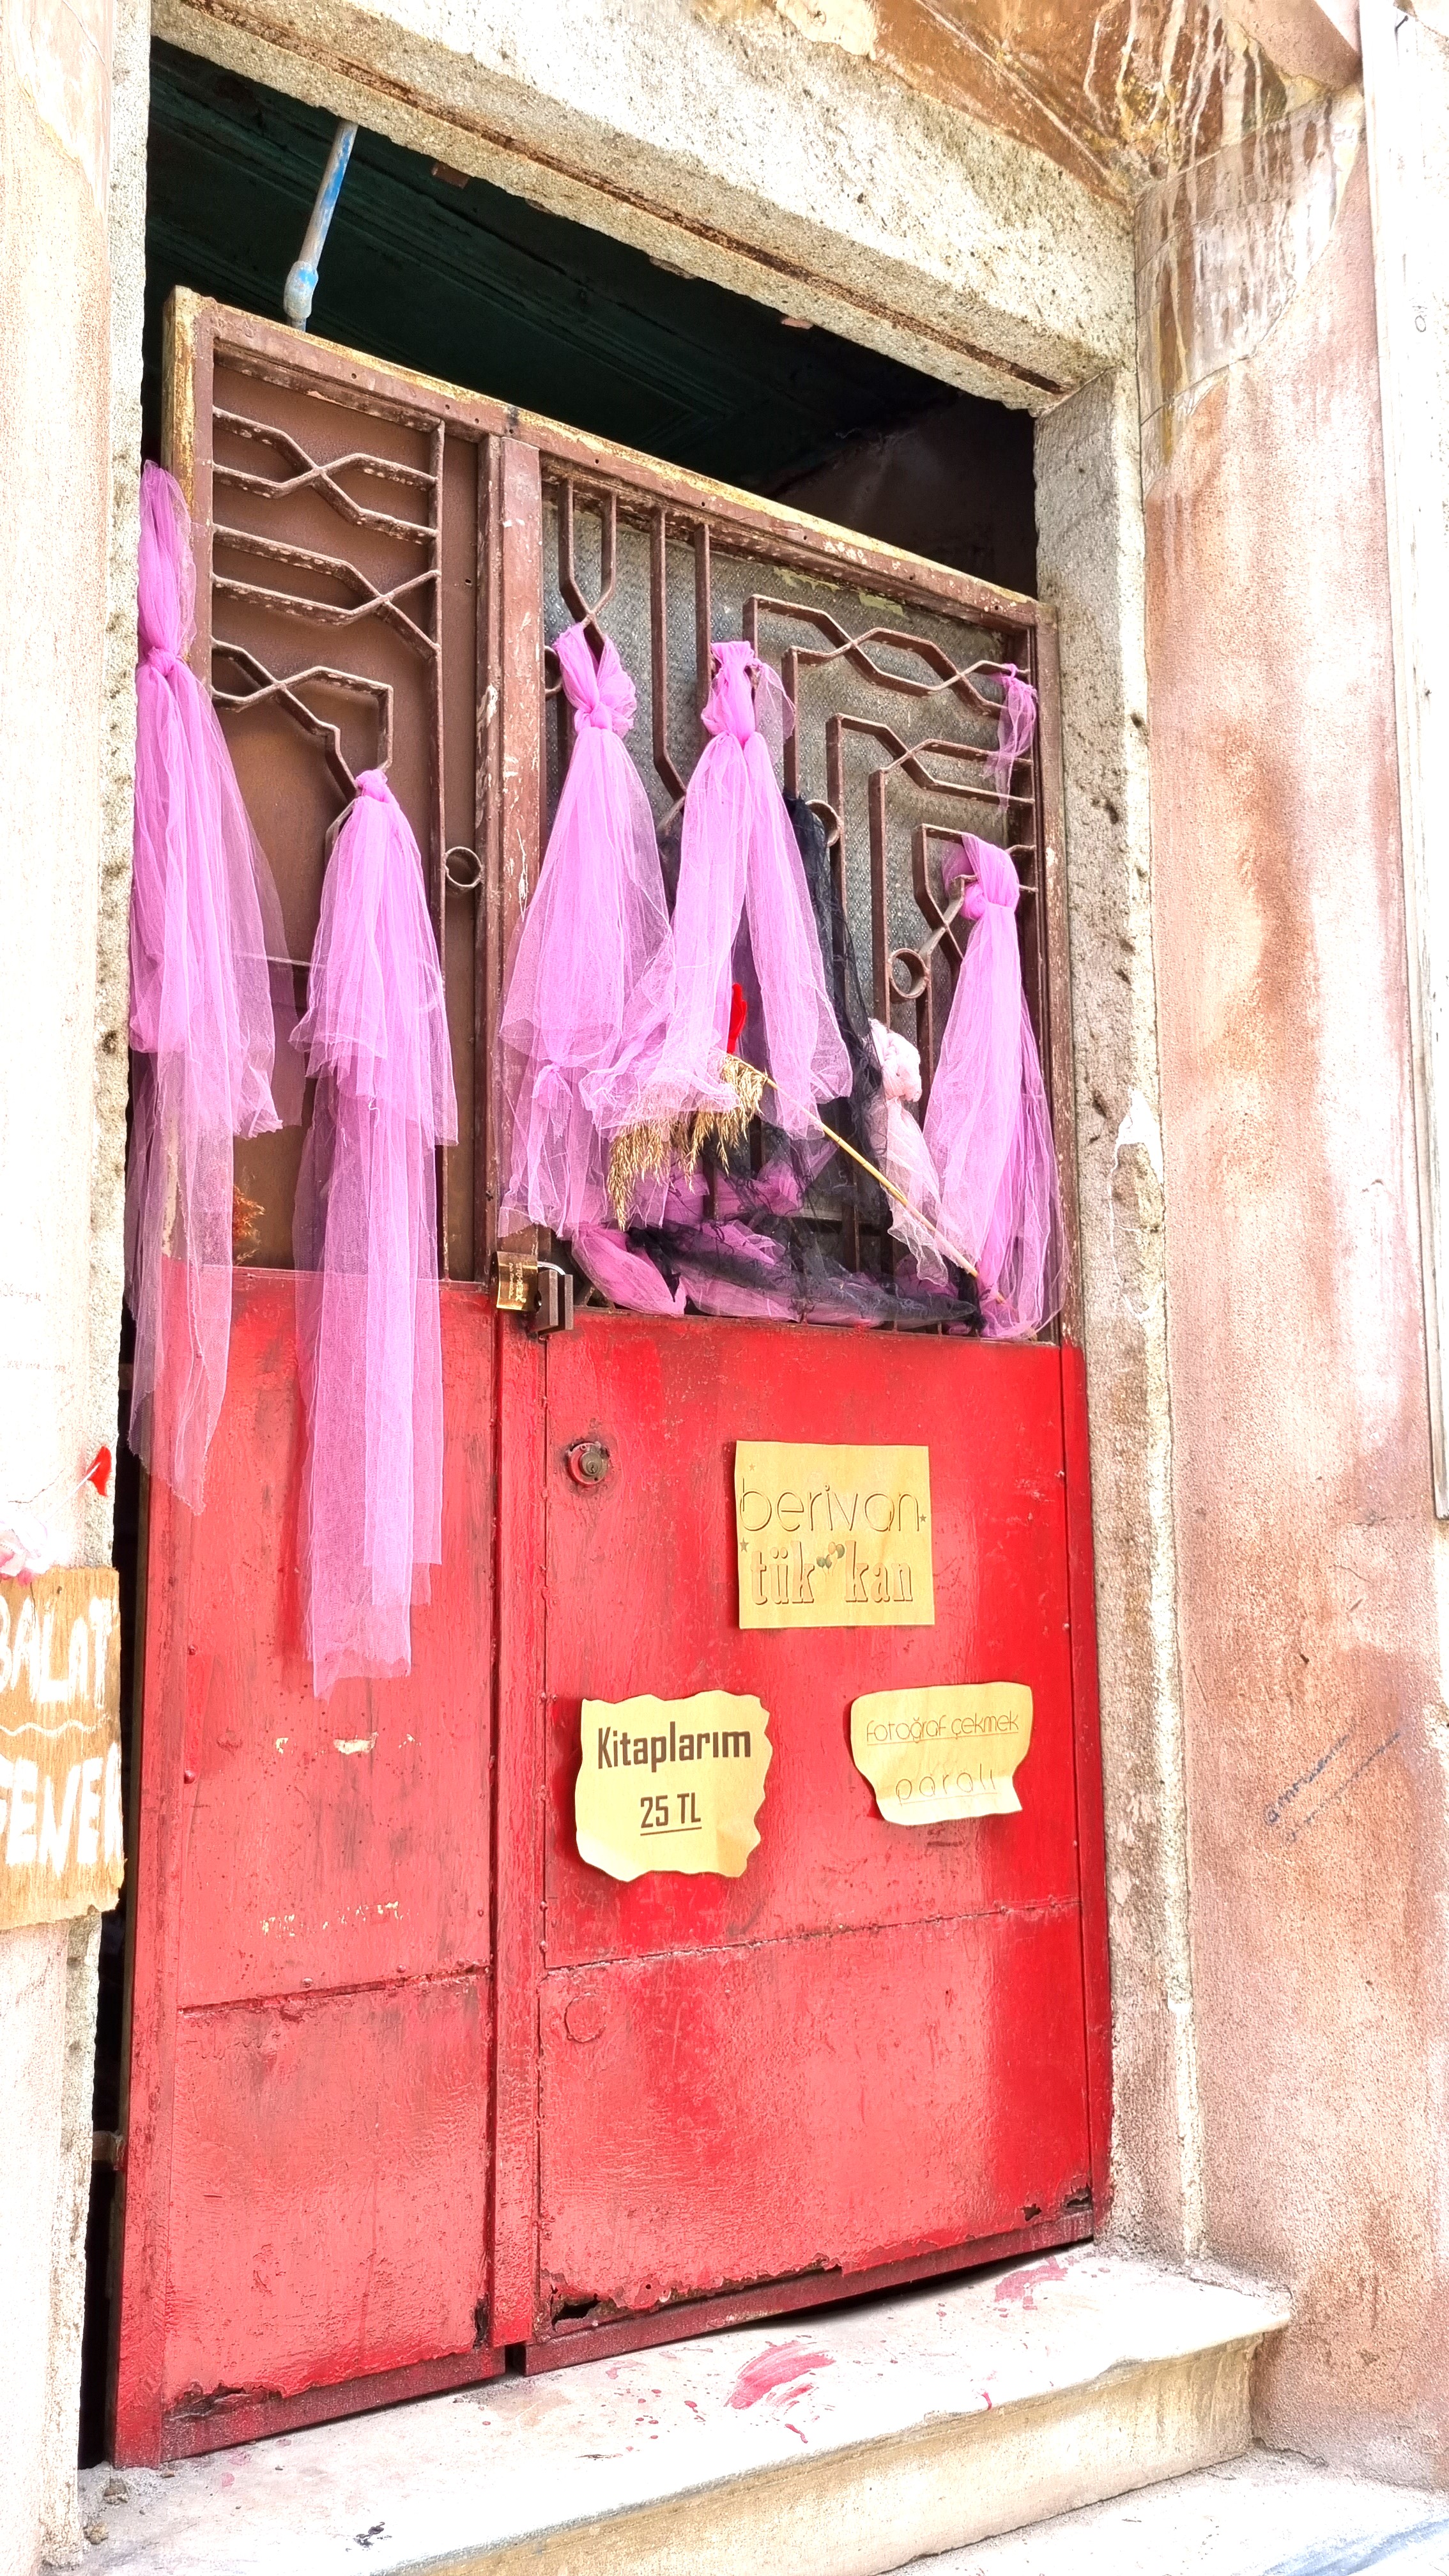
{"type": "Point", "coordinates": [61, 1832]}
{"type": "Point", "coordinates": [932, 1755]}
{"type": "Point", "coordinates": [833, 1537]}
{"type": "Point", "coordinates": [671, 1783]}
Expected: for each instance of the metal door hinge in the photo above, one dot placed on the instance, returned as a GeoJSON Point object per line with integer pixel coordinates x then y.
{"type": "Point", "coordinates": [542, 1292]}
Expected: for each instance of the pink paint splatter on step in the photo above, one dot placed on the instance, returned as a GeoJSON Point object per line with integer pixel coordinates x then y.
{"type": "Point", "coordinates": [1020, 2285]}
{"type": "Point", "coordinates": [780, 2365]}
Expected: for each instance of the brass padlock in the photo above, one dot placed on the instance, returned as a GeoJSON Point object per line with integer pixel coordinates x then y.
{"type": "Point", "coordinates": [517, 1283]}
{"type": "Point", "coordinates": [542, 1292]}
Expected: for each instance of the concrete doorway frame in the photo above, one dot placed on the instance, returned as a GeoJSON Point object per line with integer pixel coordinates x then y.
{"type": "Point", "coordinates": [784, 170]}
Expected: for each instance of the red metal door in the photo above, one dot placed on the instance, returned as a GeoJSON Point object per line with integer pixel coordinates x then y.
{"type": "Point", "coordinates": [409, 2083]}
{"type": "Point", "coordinates": [868, 2055]}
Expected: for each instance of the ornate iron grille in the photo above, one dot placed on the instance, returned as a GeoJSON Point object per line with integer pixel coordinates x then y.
{"type": "Point", "coordinates": [382, 565]}
{"type": "Point", "coordinates": [896, 720]}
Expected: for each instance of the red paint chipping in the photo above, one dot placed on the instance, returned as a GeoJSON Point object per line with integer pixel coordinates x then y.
{"type": "Point", "coordinates": [783, 2365]}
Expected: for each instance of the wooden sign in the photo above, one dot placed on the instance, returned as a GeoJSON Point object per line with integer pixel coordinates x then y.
{"type": "Point", "coordinates": [932, 1755]}
{"type": "Point", "coordinates": [61, 1828]}
{"type": "Point", "coordinates": [671, 1784]}
{"type": "Point", "coordinates": [833, 1537]}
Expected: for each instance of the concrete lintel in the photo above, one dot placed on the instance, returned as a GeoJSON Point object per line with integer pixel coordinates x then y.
{"type": "Point", "coordinates": [786, 171]}
{"type": "Point", "coordinates": [832, 2446]}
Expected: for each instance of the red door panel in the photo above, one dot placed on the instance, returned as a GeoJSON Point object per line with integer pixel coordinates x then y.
{"type": "Point", "coordinates": [717, 2117]}
{"type": "Point", "coordinates": [872, 2044]}
{"type": "Point", "coordinates": [321, 1821]}
{"type": "Point", "coordinates": [642, 1596]}
{"type": "Point", "coordinates": [329, 2175]}
{"type": "Point", "coordinates": [308, 2163]}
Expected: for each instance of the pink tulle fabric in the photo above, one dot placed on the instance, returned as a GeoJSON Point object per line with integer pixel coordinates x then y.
{"type": "Point", "coordinates": [204, 915]}
{"type": "Point", "coordinates": [628, 1278]}
{"type": "Point", "coordinates": [594, 946]}
{"type": "Point", "coordinates": [375, 1037]}
{"type": "Point", "coordinates": [739, 862]}
{"type": "Point", "coordinates": [1015, 726]}
{"type": "Point", "coordinates": [987, 1127]}
{"type": "Point", "coordinates": [905, 1157]}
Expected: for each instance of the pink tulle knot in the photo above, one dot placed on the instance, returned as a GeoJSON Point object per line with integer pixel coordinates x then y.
{"type": "Point", "coordinates": [373, 783]}
{"type": "Point", "coordinates": [592, 973]}
{"type": "Point", "coordinates": [205, 921]}
{"type": "Point", "coordinates": [987, 1124]}
{"type": "Point", "coordinates": [601, 693]}
{"type": "Point", "coordinates": [994, 881]}
{"type": "Point", "coordinates": [731, 707]}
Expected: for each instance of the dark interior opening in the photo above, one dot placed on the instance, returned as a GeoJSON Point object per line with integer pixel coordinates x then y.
{"type": "Point", "coordinates": [459, 280]}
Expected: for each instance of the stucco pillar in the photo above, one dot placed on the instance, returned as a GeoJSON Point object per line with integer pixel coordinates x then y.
{"type": "Point", "coordinates": [54, 448]}
{"type": "Point", "coordinates": [1315, 1722]}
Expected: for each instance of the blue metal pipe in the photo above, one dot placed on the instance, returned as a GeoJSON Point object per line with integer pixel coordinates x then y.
{"type": "Point", "coordinates": [301, 283]}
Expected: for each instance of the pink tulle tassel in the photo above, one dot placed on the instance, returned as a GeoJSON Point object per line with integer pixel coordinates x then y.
{"type": "Point", "coordinates": [594, 945]}
{"type": "Point", "coordinates": [905, 1157]}
{"type": "Point", "coordinates": [738, 861]}
{"type": "Point", "coordinates": [988, 1130]}
{"type": "Point", "coordinates": [204, 914]}
{"type": "Point", "coordinates": [1015, 726]}
{"type": "Point", "coordinates": [366, 1244]}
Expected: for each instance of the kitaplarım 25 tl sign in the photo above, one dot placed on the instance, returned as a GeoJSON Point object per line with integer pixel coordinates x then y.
{"type": "Point", "coordinates": [61, 1829]}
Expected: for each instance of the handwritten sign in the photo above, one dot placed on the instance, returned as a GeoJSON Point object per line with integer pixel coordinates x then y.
{"type": "Point", "coordinates": [671, 1784]}
{"type": "Point", "coordinates": [833, 1537]}
{"type": "Point", "coordinates": [933, 1755]}
{"type": "Point", "coordinates": [61, 1831]}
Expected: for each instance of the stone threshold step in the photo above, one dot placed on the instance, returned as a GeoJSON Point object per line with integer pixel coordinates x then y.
{"type": "Point", "coordinates": [1266, 2514]}
{"type": "Point", "coordinates": [842, 2445]}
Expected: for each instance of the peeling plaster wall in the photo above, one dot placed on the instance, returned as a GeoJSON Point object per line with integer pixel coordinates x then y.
{"type": "Point", "coordinates": [32, 2038]}
{"type": "Point", "coordinates": [1223, 250]}
{"type": "Point", "coordinates": [1307, 1615]}
{"type": "Point", "coordinates": [55, 138]}
{"type": "Point", "coordinates": [1118, 91]}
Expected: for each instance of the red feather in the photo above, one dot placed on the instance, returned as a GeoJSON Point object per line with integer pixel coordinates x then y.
{"type": "Point", "coordinates": [737, 1014]}
{"type": "Point", "coordinates": [98, 1473]}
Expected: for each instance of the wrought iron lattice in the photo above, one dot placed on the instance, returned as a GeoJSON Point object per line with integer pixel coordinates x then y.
{"type": "Point", "coordinates": [892, 794]}
{"type": "Point", "coordinates": [361, 598]}
{"type": "Point", "coordinates": [326, 615]}
{"type": "Point", "coordinates": [374, 551]}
